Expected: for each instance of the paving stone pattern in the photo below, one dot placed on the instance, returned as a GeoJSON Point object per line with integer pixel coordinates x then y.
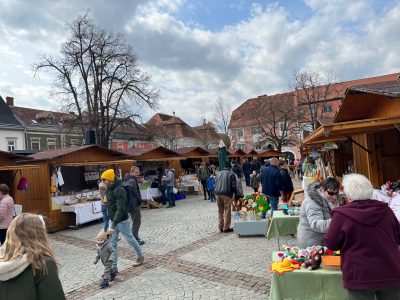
{"type": "Point", "coordinates": [185, 258]}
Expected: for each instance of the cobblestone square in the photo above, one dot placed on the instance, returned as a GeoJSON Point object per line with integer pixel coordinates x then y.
{"type": "Point", "coordinates": [185, 258]}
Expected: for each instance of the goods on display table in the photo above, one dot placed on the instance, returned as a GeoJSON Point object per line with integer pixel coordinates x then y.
{"type": "Point", "coordinates": [248, 213]}
{"type": "Point", "coordinates": [297, 274]}
{"type": "Point", "coordinates": [390, 194]}
{"type": "Point", "coordinates": [189, 183]}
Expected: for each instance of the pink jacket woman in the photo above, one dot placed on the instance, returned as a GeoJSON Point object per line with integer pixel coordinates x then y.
{"type": "Point", "coordinates": [6, 211]}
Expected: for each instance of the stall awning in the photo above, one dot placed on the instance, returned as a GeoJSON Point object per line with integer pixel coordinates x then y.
{"type": "Point", "coordinates": [18, 167]}
{"type": "Point", "coordinates": [343, 130]}
{"type": "Point", "coordinates": [97, 163]}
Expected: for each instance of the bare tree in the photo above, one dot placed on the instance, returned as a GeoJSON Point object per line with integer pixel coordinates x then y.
{"type": "Point", "coordinates": [278, 124]}
{"type": "Point", "coordinates": [222, 118]}
{"type": "Point", "coordinates": [312, 92]}
{"type": "Point", "coordinates": [98, 78]}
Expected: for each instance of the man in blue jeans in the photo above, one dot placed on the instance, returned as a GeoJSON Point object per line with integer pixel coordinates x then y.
{"type": "Point", "coordinates": [271, 181]}
{"type": "Point", "coordinates": [169, 182]}
{"type": "Point", "coordinates": [117, 202]}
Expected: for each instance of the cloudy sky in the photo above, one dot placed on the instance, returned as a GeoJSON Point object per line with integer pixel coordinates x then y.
{"type": "Point", "coordinates": [199, 50]}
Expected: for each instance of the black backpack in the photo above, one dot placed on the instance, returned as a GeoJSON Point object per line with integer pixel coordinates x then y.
{"type": "Point", "coordinates": [131, 200]}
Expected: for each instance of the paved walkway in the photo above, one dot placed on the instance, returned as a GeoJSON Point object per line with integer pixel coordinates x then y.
{"type": "Point", "coordinates": [185, 258]}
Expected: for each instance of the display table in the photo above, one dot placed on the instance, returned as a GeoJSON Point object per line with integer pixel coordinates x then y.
{"type": "Point", "coordinates": [154, 193]}
{"type": "Point", "coordinates": [85, 212]}
{"type": "Point", "coordinates": [282, 224]}
{"type": "Point", "coordinates": [319, 284]}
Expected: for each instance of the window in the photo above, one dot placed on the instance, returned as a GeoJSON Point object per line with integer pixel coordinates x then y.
{"type": "Point", "coordinates": [120, 146]}
{"type": "Point", "coordinates": [255, 130]}
{"type": "Point", "coordinates": [11, 144]}
{"type": "Point", "coordinates": [74, 143]}
{"type": "Point", "coordinates": [51, 144]}
{"type": "Point", "coordinates": [282, 126]}
{"type": "Point", "coordinates": [240, 146]}
{"type": "Point", "coordinates": [240, 133]}
{"type": "Point", "coordinates": [35, 143]}
{"type": "Point", "coordinates": [312, 110]}
{"type": "Point", "coordinates": [327, 108]}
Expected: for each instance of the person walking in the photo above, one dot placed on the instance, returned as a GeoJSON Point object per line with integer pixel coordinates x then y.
{"type": "Point", "coordinates": [246, 167]}
{"type": "Point", "coordinates": [28, 267]}
{"type": "Point", "coordinates": [287, 183]}
{"type": "Point", "coordinates": [6, 211]}
{"type": "Point", "coordinates": [271, 181]}
{"type": "Point", "coordinates": [104, 209]}
{"type": "Point", "coordinates": [225, 189]}
{"type": "Point", "coordinates": [367, 233]}
{"type": "Point", "coordinates": [315, 212]}
{"type": "Point", "coordinates": [211, 188]}
{"type": "Point", "coordinates": [202, 174]}
{"type": "Point", "coordinates": [117, 203]}
{"type": "Point", "coordinates": [239, 174]}
{"type": "Point", "coordinates": [132, 184]}
{"type": "Point", "coordinates": [161, 184]}
{"type": "Point", "coordinates": [255, 181]}
{"type": "Point", "coordinates": [170, 184]}
{"type": "Point", "coordinates": [106, 254]}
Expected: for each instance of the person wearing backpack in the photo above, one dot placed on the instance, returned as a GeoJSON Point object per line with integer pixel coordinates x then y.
{"type": "Point", "coordinates": [117, 203]}
{"type": "Point", "coordinates": [134, 200]}
{"type": "Point", "coordinates": [202, 174]}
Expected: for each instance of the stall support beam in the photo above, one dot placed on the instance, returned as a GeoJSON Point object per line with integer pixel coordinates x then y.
{"type": "Point", "coordinates": [359, 145]}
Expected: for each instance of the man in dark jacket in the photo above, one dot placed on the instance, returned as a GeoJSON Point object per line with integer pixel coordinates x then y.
{"type": "Point", "coordinates": [132, 184]}
{"type": "Point", "coordinates": [246, 167]}
{"type": "Point", "coordinates": [287, 183]}
{"type": "Point", "coordinates": [225, 188]}
{"type": "Point", "coordinates": [117, 202]}
{"type": "Point", "coordinates": [367, 233]}
{"type": "Point", "coordinates": [271, 181]}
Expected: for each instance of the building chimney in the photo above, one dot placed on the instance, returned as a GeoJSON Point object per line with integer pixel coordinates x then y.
{"type": "Point", "coordinates": [10, 101]}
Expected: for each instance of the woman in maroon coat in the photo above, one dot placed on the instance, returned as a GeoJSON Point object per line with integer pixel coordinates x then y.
{"type": "Point", "coordinates": [368, 235]}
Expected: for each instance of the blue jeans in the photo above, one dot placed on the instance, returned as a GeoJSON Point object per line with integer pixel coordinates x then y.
{"type": "Point", "coordinates": [170, 195]}
{"type": "Point", "coordinates": [125, 228]}
{"type": "Point", "coordinates": [273, 201]}
{"type": "Point", "coordinates": [106, 219]}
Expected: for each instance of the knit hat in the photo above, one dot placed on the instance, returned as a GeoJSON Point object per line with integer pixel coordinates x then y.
{"type": "Point", "coordinates": [108, 174]}
{"type": "Point", "coordinates": [102, 235]}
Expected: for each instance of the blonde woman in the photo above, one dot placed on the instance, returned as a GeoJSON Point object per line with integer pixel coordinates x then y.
{"type": "Point", "coordinates": [27, 265]}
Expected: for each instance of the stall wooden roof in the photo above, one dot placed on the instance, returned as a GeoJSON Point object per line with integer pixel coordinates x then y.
{"type": "Point", "coordinates": [270, 153]}
{"type": "Point", "coordinates": [11, 161]}
{"type": "Point", "coordinates": [154, 153]}
{"type": "Point", "coordinates": [236, 152]}
{"type": "Point", "coordinates": [367, 108]}
{"type": "Point", "coordinates": [82, 156]}
{"type": "Point", "coordinates": [252, 152]}
{"type": "Point", "coordinates": [192, 152]}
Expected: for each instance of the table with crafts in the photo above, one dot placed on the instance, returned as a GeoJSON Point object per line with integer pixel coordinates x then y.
{"type": "Point", "coordinates": [320, 284]}
{"type": "Point", "coordinates": [150, 193]}
{"type": "Point", "coordinates": [85, 212]}
{"type": "Point", "coordinates": [282, 224]}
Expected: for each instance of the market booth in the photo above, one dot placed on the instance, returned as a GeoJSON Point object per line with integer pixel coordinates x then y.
{"type": "Point", "coordinates": [266, 154]}
{"type": "Point", "coordinates": [149, 160]}
{"type": "Point", "coordinates": [236, 154]}
{"type": "Point", "coordinates": [365, 134]}
{"type": "Point", "coordinates": [11, 167]}
{"type": "Point", "coordinates": [64, 185]}
{"type": "Point", "coordinates": [364, 138]}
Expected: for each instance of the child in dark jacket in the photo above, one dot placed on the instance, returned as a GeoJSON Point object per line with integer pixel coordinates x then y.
{"type": "Point", "coordinates": [255, 181]}
{"type": "Point", "coordinates": [210, 188]}
{"type": "Point", "coordinates": [105, 253]}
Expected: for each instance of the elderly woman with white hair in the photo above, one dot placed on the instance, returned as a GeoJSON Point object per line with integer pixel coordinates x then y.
{"type": "Point", "coordinates": [368, 235]}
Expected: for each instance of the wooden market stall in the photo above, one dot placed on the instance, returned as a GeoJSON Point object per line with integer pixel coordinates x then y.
{"type": "Point", "coordinates": [367, 122]}
{"type": "Point", "coordinates": [265, 154]}
{"type": "Point", "coordinates": [80, 168]}
{"type": "Point", "coordinates": [236, 154]}
{"type": "Point", "coordinates": [189, 157]}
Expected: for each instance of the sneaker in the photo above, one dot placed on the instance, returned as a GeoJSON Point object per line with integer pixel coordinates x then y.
{"type": "Point", "coordinates": [140, 242]}
{"type": "Point", "coordinates": [169, 206]}
{"type": "Point", "coordinates": [221, 230]}
{"type": "Point", "coordinates": [228, 230]}
{"type": "Point", "coordinates": [139, 261]}
{"type": "Point", "coordinates": [104, 283]}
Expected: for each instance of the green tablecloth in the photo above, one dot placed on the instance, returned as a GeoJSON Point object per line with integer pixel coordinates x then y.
{"type": "Point", "coordinates": [303, 284]}
{"type": "Point", "coordinates": [282, 224]}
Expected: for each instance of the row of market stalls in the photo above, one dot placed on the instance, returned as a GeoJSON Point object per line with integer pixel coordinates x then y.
{"type": "Point", "coordinates": [54, 182]}
{"type": "Point", "coordinates": [364, 136]}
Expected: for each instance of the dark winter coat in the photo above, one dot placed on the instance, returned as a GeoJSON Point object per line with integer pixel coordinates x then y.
{"type": "Point", "coordinates": [315, 217]}
{"type": "Point", "coordinates": [246, 167]}
{"type": "Point", "coordinates": [18, 282]}
{"type": "Point", "coordinates": [286, 181]}
{"type": "Point", "coordinates": [255, 181]}
{"type": "Point", "coordinates": [225, 183]}
{"type": "Point", "coordinates": [117, 204]}
{"type": "Point", "coordinates": [271, 181]}
{"type": "Point", "coordinates": [132, 187]}
{"type": "Point", "coordinates": [368, 235]}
